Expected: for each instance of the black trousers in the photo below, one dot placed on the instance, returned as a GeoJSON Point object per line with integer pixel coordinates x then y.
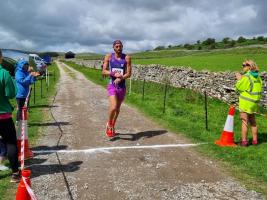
{"type": "Point", "coordinates": [20, 104]}
{"type": "Point", "coordinates": [8, 133]}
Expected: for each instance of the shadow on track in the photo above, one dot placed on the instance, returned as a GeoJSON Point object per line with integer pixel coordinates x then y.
{"type": "Point", "coordinates": [137, 136]}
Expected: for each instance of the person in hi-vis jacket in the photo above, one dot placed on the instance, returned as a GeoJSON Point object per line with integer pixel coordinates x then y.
{"type": "Point", "coordinates": [249, 87]}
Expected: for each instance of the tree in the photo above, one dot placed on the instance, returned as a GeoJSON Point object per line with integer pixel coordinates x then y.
{"type": "Point", "coordinates": [188, 46]}
{"type": "Point", "coordinates": [209, 41]}
{"type": "Point", "coordinates": [52, 54]}
{"type": "Point", "coordinates": [260, 38]}
{"type": "Point", "coordinates": [212, 46]}
{"type": "Point", "coordinates": [231, 43]}
{"type": "Point", "coordinates": [241, 39]}
{"type": "Point", "coordinates": [226, 40]}
{"type": "Point", "coordinates": [158, 48]}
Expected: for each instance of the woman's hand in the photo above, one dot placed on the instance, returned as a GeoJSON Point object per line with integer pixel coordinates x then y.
{"type": "Point", "coordinates": [30, 69]}
{"type": "Point", "coordinates": [35, 74]}
{"type": "Point", "coordinates": [238, 76]}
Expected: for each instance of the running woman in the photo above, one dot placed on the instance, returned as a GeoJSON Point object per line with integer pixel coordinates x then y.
{"type": "Point", "coordinates": [118, 66]}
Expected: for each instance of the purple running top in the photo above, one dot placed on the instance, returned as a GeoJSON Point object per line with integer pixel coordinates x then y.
{"type": "Point", "coordinates": [117, 65]}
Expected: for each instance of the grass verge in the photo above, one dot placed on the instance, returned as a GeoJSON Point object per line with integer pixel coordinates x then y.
{"type": "Point", "coordinates": [185, 114]}
{"type": "Point", "coordinates": [36, 115]}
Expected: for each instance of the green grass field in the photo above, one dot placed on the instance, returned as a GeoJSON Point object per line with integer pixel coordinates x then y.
{"type": "Point", "coordinates": [185, 115]}
{"type": "Point", "coordinates": [216, 60]}
{"type": "Point", "coordinates": [36, 116]}
{"type": "Point", "coordinates": [212, 60]}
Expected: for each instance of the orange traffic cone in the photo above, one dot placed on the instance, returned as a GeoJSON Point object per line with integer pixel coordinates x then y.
{"type": "Point", "coordinates": [23, 124]}
{"type": "Point", "coordinates": [22, 192]}
{"type": "Point", "coordinates": [227, 136]}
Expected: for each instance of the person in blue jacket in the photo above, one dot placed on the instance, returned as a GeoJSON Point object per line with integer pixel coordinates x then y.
{"type": "Point", "coordinates": [24, 76]}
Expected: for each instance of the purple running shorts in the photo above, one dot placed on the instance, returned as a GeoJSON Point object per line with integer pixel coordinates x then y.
{"type": "Point", "coordinates": [117, 91]}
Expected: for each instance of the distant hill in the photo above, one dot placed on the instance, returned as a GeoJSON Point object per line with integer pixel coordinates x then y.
{"type": "Point", "coordinates": [211, 43]}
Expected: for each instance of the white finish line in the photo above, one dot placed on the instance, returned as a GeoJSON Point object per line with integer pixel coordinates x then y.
{"type": "Point", "coordinates": [107, 149]}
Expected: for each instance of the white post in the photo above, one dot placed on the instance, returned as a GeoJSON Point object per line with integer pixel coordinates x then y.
{"type": "Point", "coordinates": [130, 88]}
{"type": "Point", "coordinates": [48, 78]}
{"type": "Point", "coordinates": [46, 75]}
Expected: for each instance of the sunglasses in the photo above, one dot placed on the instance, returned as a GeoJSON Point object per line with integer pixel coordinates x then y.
{"type": "Point", "coordinates": [246, 65]}
{"type": "Point", "coordinates": [118, 46]}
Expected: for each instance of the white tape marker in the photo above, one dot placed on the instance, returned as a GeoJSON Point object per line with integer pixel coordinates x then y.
{"type": "Point", "coordinates": [107, 149]}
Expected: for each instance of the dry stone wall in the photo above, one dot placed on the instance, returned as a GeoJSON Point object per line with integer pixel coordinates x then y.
{"type": "Point", "coordinates": [88, 63]}
{"type": "Point", "coordinates": [216, 84]}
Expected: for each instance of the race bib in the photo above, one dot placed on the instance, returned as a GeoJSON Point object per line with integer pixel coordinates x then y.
{"type": "Point", "coordinates": [117, 70]}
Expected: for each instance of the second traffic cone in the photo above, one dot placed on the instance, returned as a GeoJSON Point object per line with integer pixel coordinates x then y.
{"type": "Point", "coordinates": [22, 192]}
{"type": "Point", "coordinates": [23, 124]}
{"type": "Point", "coordinates": [227, 136]}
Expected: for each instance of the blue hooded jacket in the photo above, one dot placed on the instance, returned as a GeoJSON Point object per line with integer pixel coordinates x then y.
{"type": "Point", "coordinates": [23, 79]}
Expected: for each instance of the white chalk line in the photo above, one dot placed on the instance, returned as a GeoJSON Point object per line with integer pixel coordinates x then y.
{"type": "Point", "coordinates": [107, 149]}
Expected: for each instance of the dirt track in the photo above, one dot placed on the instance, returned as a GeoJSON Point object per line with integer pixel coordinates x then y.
{"type": "Point", "coordinates": [80, 113]}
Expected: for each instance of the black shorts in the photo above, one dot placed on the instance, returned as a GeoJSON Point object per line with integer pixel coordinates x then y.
{"type": "Point", "coordinates": [8, 131]}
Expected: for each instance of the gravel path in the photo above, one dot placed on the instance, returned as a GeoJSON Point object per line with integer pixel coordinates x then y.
{"type": "Point", "coordinates": [79, 113]}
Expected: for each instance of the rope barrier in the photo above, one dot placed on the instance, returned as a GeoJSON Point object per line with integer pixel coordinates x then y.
{"type": "Point", "coordinates": [30, 191]}
{"type": "Point", "coordinates": [22, 157]}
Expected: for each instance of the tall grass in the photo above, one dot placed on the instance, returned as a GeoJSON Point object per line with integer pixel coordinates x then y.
{"type": "Point", "coordinates": [185, 114]}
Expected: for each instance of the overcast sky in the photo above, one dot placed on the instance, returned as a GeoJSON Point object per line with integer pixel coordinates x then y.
{"type": "Point", "coordinates": [92, 25]}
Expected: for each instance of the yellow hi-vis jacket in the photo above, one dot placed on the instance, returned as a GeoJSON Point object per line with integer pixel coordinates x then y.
{"type": "Point", "coordinates": [250, 89]}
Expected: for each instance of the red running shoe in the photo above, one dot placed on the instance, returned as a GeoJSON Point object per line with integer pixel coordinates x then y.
{"type": "Point", "coordinates": [109, 131]}
{"type": "Point", "coordinates": [244, 144]}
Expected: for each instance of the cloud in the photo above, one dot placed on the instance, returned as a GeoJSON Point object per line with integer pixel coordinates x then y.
{"type": "Point", "coordinates": [90, 25]}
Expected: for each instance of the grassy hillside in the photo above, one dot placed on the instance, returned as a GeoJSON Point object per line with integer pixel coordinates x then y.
{"type": "Point", "coordinates": [215, 60]}
{"type": "Point", "coordinates": [225, 43]}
